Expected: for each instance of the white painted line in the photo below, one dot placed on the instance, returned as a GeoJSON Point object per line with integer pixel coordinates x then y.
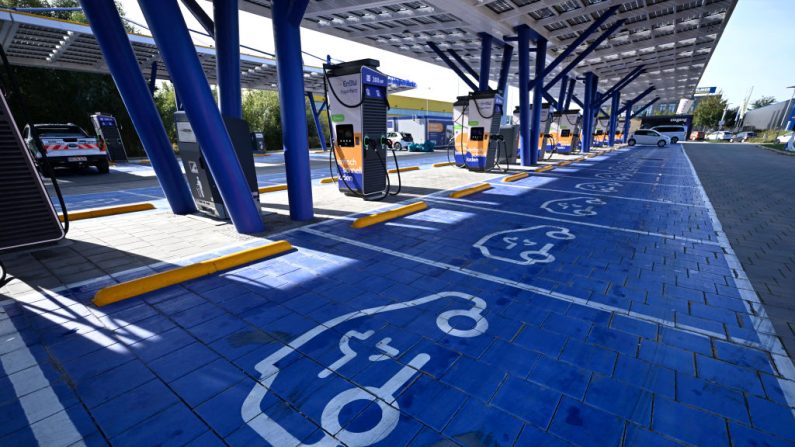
{"type": "Point", "coordinates": [587, 224]}
{"type": "Point", "coordinates": [770, 342]}
{"type": "Point", "coordinates": [535, 289]}
{"type": "Point", "coordinates": [541, 188]}
{"type": "Point", "coordinates": [567, 175]}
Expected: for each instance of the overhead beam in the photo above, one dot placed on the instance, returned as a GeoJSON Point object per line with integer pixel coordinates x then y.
{"type": "Point", "coordinates": [452, 66]}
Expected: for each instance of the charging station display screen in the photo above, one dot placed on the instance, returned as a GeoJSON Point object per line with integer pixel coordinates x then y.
{"type": "Point", "coordinates": [345, 135]}
{"type": "Point", "coordinates": [599, 132]}
{"type": "Point", "coordinates": [565, 133]}
{"type": "Point", "coordinates": [476, 133]}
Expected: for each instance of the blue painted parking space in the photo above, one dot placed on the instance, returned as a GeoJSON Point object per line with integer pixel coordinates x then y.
{"type": "Point", "coordinates": [476, 322]}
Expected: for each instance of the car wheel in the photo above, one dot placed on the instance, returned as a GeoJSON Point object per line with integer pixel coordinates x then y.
{"type": "Point", "coordinates": [103, 166]}
{"type": "Point", "coordinates": [661, 143]}
{"type": "Point", "coordinates": [674, 140]}
{"type": "Point", "coordinates": [631, 142]}
{"type": "Point", "coordinates": [396, 146]}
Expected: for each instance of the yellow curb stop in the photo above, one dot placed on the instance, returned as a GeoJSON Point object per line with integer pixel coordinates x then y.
{"type": "Point", "coordinates": [109, 211]}
{"type": "Point", "coordinates": [407, 168]}
{"type": "Point", "coordinates": [157, 281]}
{"type": "Point", "coordinates": [469, 191]}
{"type": "Point", "coordinates": [515, 177]}
{"type": "Point", "coordinates": [272, 188]}
{"type": "Point", "coordinates": [373, 219]}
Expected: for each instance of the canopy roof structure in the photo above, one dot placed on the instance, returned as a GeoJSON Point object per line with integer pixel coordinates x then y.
{"type": "Point", "coordinates": [672, 39]}
{"type": "Point", "coordinates": [36, 41]}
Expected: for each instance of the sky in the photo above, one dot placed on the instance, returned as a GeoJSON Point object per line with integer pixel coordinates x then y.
{"type": "Point", "coordinates": [754, 51]}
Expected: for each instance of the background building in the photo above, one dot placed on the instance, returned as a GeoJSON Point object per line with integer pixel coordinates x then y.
{"type": "Point", "coordinates": [769, 117]}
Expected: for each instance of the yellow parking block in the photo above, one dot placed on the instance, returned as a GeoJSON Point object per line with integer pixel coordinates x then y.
{"type": "Point", "coordinates": [565, 163]}
{"type": "Point", "coordinates": [407, 168]}
{"type": "Point", "coordinates": [447, 163]}
{"type": "Point", "coordinates": [272, 188]}
{"type": "Point", "coordinates": [136, 287]}
{"type": "Point", "coordinates": [109, 211]}
{"type": "Point", "coordinates": [469, 191]}
{"type": "Point", "coordinates": [578, 159]}
{"type": "Point", "coordinates": [318, 152]}
{"type": "Point", "coordinates": [373, 219]}
{"type": "Point", "coordinates": [545, 168]}
{"type": "Point", "coordinates": [515, 177]}
{"type": "Point", "coordinates": [328, 180]}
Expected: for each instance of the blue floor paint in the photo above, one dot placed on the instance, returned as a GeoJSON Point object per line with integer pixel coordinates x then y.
{"type": "Point", "coordinates": [458, 325]}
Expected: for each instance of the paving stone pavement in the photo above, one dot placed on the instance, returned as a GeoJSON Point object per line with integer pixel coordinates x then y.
{"type": "Point", "coordinates": [752, 191]}
{"type": "Point", "coordinates": [597, 305]}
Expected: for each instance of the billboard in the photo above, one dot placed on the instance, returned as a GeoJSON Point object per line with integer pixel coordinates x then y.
{"type": "Point", "coordinates": [705, 91]}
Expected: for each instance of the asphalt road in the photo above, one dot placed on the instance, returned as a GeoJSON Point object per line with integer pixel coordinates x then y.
{"type": "Point", "coordinates": [753, 192]}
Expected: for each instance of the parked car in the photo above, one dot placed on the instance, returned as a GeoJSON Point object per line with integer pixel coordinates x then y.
{"type": "Point", "coordinates": [399, 140]}
{"type": "Point", "coordinates": [650, 137]}
{"type": "Point", "coordinates": [697, 135]}
{"type": "Point", "coordinates": [719, 135]}
{"type": "Point", "coordinates": [742, 137]}
{"type": "Point", "coordinates": [66, 145]}
{"type": "Point", "coordinates": [677, 133]}
{"type": "Point", "coordinates": [783, 139]}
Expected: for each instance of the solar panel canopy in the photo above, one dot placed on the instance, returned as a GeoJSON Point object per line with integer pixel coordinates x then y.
{"type": "Point", "coordinates": [36, 41]}
{"type": "Point", "coordinates": [673, 39]}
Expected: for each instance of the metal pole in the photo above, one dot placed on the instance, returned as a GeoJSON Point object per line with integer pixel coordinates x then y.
{"type": "Point", "coordinates": [153, 77]}
{"type": "Point", "coordinates": [176, 48]}
{"type": "Point", "coordinates": [112, 39]}
{"type": "Point", "coordinates": [287, 15]}
{"type": "Point", "coordinates": [523, 37]}
{"type": "Point", "coordinates": [627, 118]}
{"type": "Point", "coordinates": [505, 67]}
{"type": "Point", "coordinates": [569, 94]}
{"type": "Point", "coordinates": [564, 85]}
{"type": "Point", "coordinates": [614, 105]}
{"type": "Point", "coordinates": [227, 56]}
{"type": "Point", "coordinates": [485, 61]}
{"type": "Point", "coordinates": [316, 118]}
{"type": "Point", "coordinates": [538, 93]}
{"type": "Point", "coordinates": [587, 113]}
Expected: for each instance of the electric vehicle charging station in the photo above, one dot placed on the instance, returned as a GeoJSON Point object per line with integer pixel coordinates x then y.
{"type": "Point", "coordinates": [460, 107]}
{"type": "Point", "coordinates": [358, 108]}
{"type": "Point", "coordinates": [601, 132]}
{"type": "Point", "coordinates": [202, 186]}
{"type": "Point", "coordinates": [481, 130]}
{"type": "Point", "coordinates": [107, 129]}
{"type": "Point", "coordinates": [565, 130]}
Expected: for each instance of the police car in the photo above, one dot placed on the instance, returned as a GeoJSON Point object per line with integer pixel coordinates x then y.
{"type": "Point", "coordinates": [67, 145]}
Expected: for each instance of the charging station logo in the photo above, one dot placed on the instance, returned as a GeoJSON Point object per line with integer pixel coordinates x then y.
{"type": "Point", "coordinates": [575, 206]}
{"type": "Point", "coordinates": [600, 186]}
{"type": "Point", "coordinates": [346, 402]}
{"type": "Point", "coordinates": [525, 246]}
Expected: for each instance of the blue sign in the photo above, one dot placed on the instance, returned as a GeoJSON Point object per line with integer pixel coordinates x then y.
{"type": "Point", "coordinates": [373, 77]}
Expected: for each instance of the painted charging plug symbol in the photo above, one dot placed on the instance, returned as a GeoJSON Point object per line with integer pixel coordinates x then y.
{"type": "Point", "coordinates": [600, 186]}
{"type": "Point", "coordinates": [466, 323]}
{"type": "Point", "coordinates": [524, 246]}
{"type": "Point", "coordinates": [575, 206]}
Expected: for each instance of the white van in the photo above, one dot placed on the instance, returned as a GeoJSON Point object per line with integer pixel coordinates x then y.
{"type": "Point", "coordinates": [677, 133]}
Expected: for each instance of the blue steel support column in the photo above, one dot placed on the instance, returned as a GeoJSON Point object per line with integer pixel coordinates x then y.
{"type": "Point", "coordinates": [569, 94]}
{"type": "Point", "coordinates": [523, 44]}
{"type": "Point", "coordinates": [505, 68]}
{"type": "Point", "coordinates": [627, 117]}
{"type": "Point", "coordinates": [112, 40]}
{"type": "Point", "coordinates": [176, 48]}
{"type": "Point", "coordinates": [485, 61]}
{"type": "Point", "coordinates": [316, 117]}
{"type": "Point", "coordinates": [538, 94]}
{"type": "Point", "coordinates": [587, 112]}
{"type": "Point", "coordinates": [227, 56]}
{"type": "Point", "coordinates": [614, 105]}
{"type": "Point", "coordinates": [564, 85]}
{"type": "Point", "coordinates": [287, 15]}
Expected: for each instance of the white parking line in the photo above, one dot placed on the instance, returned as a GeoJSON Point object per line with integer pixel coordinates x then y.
{"type": "Point", "coordinates": [459, 202]}
{"type": "Point", "coordinates": [567, 175]}
{"type": "Point", "coordinates": [541, 188]}
{"type": "Point", "coordinates": [535, 289]}
{"type": "Point", "coordinates": [770, 342]}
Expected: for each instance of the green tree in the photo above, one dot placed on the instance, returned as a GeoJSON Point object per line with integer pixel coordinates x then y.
{"type": "Point", "coordinates": [763, 102]}
{"type": "Point", "coordinates": [165, 101]}
{"type": "Point", "coordinates": [709, 112]}
{"type": "Point", "coordinates": [262, 111]}
{"type": "Point", "coordinates": [731, 117]}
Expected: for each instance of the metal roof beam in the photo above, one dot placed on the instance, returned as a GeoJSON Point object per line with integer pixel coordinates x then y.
{"type": "Point", "coordinates": [452, 66]}
{"type": "Point", "coordinates": [648, 104]}
{"type": "Point", "coordinates": [198, 13]}
{"type": "Point", "coordinates": [636, 99]}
